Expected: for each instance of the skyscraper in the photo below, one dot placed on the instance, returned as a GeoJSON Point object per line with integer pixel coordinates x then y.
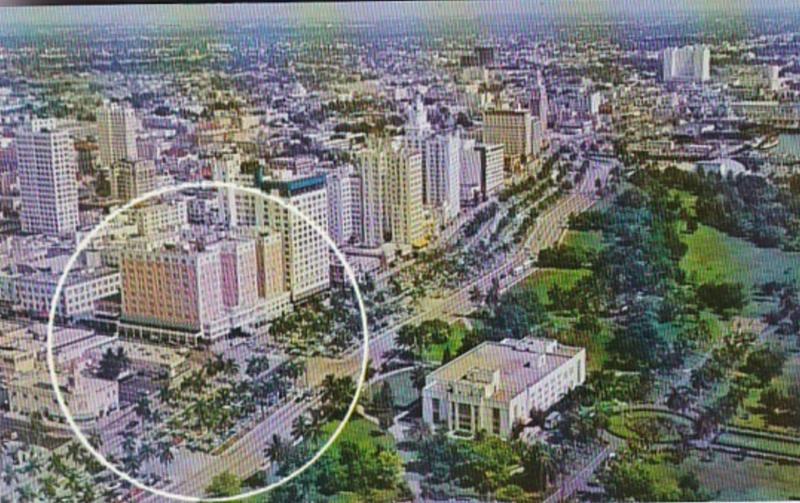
{"type": "Point", "coordinates": [391, 195]}
{"type": "Point", "coordinates": [306, 255]}
{"type": "Point", "coordinates": [440, 163]}
{"type": "Point", "coordinates": [513, 130]}
{"type": "Point", "coordinates": [691, 63]}
{"type": "Point", "coordinates": [116, 130]}
{"type": "Point", "coordinates": [48, 184]}
{"type": "Point", "coordinates": [539, 101]}
{"type": "Point", "coordinates": [131, 179]}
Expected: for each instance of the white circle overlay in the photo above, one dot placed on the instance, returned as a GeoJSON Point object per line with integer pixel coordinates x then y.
{"type": "Point", "coordinates": [86, 241]}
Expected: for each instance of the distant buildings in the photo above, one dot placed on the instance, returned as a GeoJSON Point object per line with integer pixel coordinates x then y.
{"type": "Point", "coordinates": [689, 64]}
{"type": "Point", "coordinates": [46, 164]}
{"type": "Point", "coordinates": [497, 384]}
{"type": "Point", "coordinates": [539, 104]}
{"type": "Point", "coordinates": [131, 179]}
{"type": "Point", "coordinates": [116, 130]}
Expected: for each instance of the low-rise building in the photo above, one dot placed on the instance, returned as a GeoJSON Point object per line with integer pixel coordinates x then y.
{"type": "Point", "coordinates": [497, 384]}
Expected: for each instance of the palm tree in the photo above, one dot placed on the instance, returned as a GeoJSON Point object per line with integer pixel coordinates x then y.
{"type": "Point", "coordinates": [26, 492]}
{"type": "Point", "coordinates": [277, 449]}
{"type": "Point", "coordinates": [37, 426]}
{"type": "Point", "coordinates": [301, 427]}
{"type": "Point", "coordinates": [539, 463]}
{"type": "Point", "coordinates": [143, 409]}
{"type": "Point", "coordinates": [146, 451]}
{"type": "Point", "coordinates": [165, 453]}
{"type": "Point", "coordinates": [10, 475]}
{"type": "Point", "coordinates": [49, 486]}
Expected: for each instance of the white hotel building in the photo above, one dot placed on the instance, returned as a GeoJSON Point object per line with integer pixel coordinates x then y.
{"type": "Point", "coordinates": [497, 384]}
{"type": "Point", "coordinates": [47, 167]}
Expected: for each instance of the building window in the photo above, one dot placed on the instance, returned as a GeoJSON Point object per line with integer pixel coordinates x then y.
{"type": "Point", "coordinates": [464, 417]}
{"type": "Point", "coordinates": [436, 416]}
{"type": "Point", "coordinates": [496, 421]}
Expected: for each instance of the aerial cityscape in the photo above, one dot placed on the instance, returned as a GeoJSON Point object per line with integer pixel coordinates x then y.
{"type": "Point", "coordinates": [374, 252]}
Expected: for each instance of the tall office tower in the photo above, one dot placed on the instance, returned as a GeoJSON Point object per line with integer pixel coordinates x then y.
{"type": "Point", "coordinates": [47, 170]}
{"type": "Point", "coordinates": [269, 262]}
{"type": "Point", "coordinates": [537, 136]}
{"type": "Point", "coordinates": [172, 287]}
{"type": "Point", "coordinates": [239, 272]}
{"type": "Point", "coordinates": [510, 128]}
{"type": "Point", "coordinates": [440, 162]}
{"type": "Point", "coordinates": [237, 207]}
{"type": "Point", "coordinates": [86, 156]}
{"type": "Point", "coordinates": [116, 131]}
{"type": "Point", "coordinates": [539, 101]}
{"type": "Point", "coordinates": [391, 195]}
{"type": "Point", "coordinates": [372, 169]}
{"type": "Point", "coordinates": [441, 181]}
{"type": "Point", "coordinates": [131, 179]}
{"type": "Point", "coordinates": [491, 169]}
{"type": "Point", "coordinates": [689, 64]}
{"type": "Point", "coordinates": [305, 252]}
{"type": "Point", "coordinates": [344, 196]}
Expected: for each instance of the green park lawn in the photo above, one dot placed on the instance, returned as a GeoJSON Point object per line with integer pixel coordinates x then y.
{"type": "Point", "coordinates": [620, 424]}
{"type": "Point", "coordinates": [732, 479]}
{"type": "Point", "coordinates": [714, 257]}
{"type": "Point", "coordinates": [541, 280]}
{"type": "Point", "coordinates": [363, 433]}
{"type": "Point", "coordinates": [434, 352]}
{"type": "Point", "coordinates": [751, 415]}
{"type": "Point", "coordinates": [590, 240]}
{"type": "Point", "coordinates": [765, 444]}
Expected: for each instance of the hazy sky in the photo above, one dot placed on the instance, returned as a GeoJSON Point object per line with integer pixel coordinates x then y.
{"type": "Point", "coordinates": [364, 12]}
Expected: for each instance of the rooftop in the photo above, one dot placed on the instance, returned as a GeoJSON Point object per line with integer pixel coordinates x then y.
{"type": "Point", "coordinates": [519, 364]}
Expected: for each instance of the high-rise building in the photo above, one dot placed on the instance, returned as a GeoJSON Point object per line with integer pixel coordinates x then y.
{"type": "Point", "coordinates": [239, 273]}
{"type": "Point", "coordinates": [440, 163]}
{"type": "Point", "coordinates": [510, 128]}
{"type": "Point", "coordinates": [691, 63]}
{"type": "Point", "coordinates": [441, 168]}
{"type": "Point", "coordinates": [47, 170]}
{"type": "Point", "coordinates": [491, 165]}
{"type": "Point", "coordinates": [539, 101]}
{"type": "Point", "coordinates": [305, 252]}
{"type": "Point", "coordinates": [391, 195]}
{"type": "Point", "coordinates": [344, 200]}
{"type": "Point", "coordinates": [116, 130]}
{"type": "Point", "coordinates": [131, 179]}
{"type": "Point", "coordinates": [193, 291]}
{"type": "Point", "coordinates": [176, 287]}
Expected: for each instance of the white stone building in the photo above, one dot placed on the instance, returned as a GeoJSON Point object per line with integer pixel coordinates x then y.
{"type": "Point", "coordinates": [497, 384]}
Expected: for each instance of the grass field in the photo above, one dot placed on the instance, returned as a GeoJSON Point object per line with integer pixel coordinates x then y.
{"type": "Point", "coordinates": [732, 479]}
{"type": "Point", "coordinates": [752, 417]}
{"type": "Point", "coordinates": [360, 431]}
{"type": "Point", "coordinates": [716, 257]}
{"type": "Point", "coordinates": [540, 281]}
{"type": "Point", "coordinates": [590, 240]}
{"type": "Point", "coordinates": [764, 444]}
{"type": "Point", "coordinates": [620, 424]}
{"type": "Point", "coordinates": [434, 352]}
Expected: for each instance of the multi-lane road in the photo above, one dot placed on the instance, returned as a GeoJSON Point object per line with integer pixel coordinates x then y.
{"type": "Point", "coordinates": [246, 456]}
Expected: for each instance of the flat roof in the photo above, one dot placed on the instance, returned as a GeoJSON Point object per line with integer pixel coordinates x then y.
{"type": "Point", "coordinates": [521, 363]}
